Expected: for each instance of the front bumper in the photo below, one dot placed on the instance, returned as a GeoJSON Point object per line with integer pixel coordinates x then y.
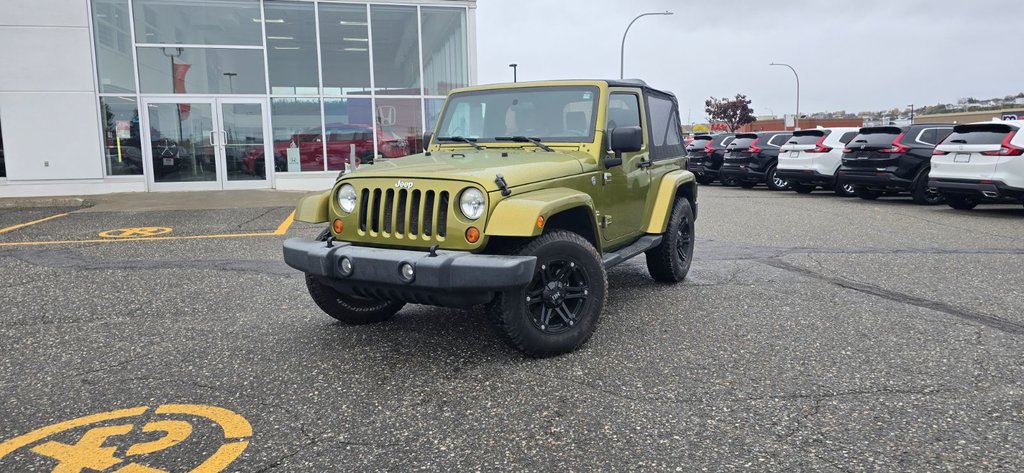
{"type": "Point", "coordinates": [806, 176]}
{"type": "Point", "coordinates": [876, 180]}
{"type": "Point", "coordinates": [741, 173]}
{"type": "Point", "coordinates": [988, 190]}
{"type": "Point", "coordinates": [451, 278]}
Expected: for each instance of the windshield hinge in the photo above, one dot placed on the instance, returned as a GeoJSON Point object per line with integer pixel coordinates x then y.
{"type": "Point", "coordinates": [500, 181]}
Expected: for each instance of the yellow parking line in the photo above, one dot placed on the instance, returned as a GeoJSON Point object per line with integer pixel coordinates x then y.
{"type": "Point", "coordinates": [23, 225]}
{"type": "Point", "coordinates": [287, 223]}
{"type": "Point", "coordinates": [111, 240]}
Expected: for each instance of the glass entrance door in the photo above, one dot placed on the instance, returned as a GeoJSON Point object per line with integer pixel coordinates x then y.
{"type": "Point", "coordinates": [207, 144]}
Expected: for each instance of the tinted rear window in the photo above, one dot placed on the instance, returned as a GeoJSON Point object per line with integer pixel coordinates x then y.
{"type": "Point", "coordinates": [741, 143]}
{"type": "Point", "coordinates": [699, 142]}
{"type": "Point", "coordinates": [978, 134]}
{"type": "Point", "coordinates": [875, 139]}
{"type": "Point", "coordinates": [807, 138]}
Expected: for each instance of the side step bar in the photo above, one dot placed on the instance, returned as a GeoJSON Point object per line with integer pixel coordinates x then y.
{"type": "Point", "coordinates": [643, 244]}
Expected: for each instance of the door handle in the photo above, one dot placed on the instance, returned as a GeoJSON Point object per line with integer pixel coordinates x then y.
{"type": "Point", "coordinates": [645, 162]}
{"type": "Point", "coordinates": [224, 138]}
{"type": "Point", "coordinates": [211, 138]}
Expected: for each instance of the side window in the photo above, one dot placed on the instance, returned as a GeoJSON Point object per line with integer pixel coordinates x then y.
{"type": "Point", "coordinates": [941, 134]}
{"type": "Point", "coordinates": [779, 140]}
{"type": "Point", "coordinates": [664, 130]}
{"type": "Point", "coordinates": [623, 110]}
{"type": "Point", "coordinates": [928, 136]}
{"type": "Point", "coordinates": [848, 137]}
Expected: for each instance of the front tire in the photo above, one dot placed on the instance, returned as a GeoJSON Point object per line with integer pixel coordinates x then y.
{"type": "Point", "coordinates": [844, 190]}
{"type": "Point", "coordinates": [923, 194]}
{"type": "Point", "coordinates": [349, 309]}
{"type": "Point", "coordinates": [559, 310]}
{"type": "Point", "coordinates": [773, 181]}
{"type": "Point", "coordinates": [346, 308]}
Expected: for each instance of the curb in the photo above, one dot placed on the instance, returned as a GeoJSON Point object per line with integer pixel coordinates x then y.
{"type": "Point", "coordinates": [44, 202]}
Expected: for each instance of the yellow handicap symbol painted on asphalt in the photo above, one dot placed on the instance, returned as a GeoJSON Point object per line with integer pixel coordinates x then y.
{"type": "Point", "coordinates": [97, 448]}
{"type": "Point", "coordinates": [135, 232]}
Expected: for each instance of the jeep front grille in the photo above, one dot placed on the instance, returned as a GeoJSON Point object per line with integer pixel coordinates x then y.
{"type": "Point", "coordinates": [403, 213]}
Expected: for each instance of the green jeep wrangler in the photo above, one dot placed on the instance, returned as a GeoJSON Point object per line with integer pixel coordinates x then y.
{"type": "Point", "coordinates": [525, 195]}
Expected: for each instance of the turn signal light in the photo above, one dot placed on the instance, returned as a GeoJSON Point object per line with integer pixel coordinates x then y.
{"type": "Point", "coordinates": [472, 235]}
{"type": "Point", "coordinates": [540, 222]}
{"type": "Point", "coordinates": [338, 225]}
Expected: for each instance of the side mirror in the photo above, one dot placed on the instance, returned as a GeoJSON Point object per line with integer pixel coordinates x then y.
{"type": "Point", "coordinates": [624, 139]}
{"type": "Point", "coordinates": [426, 140]}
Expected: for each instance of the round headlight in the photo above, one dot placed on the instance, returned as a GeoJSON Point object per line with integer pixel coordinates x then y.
{"type": "Point", "coordinates": [471, 202]}
{"type": "Point", "coordinates": [347, 198]}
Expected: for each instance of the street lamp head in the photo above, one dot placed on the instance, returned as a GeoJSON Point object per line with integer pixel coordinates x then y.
{"type": "Point", "coordinates": [513, 65]}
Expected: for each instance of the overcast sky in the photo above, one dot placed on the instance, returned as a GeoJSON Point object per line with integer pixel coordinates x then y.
{"type": "Point", "coordinates": [851, 55]}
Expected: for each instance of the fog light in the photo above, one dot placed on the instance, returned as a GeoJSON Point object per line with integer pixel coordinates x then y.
{"type": "Point", "coordinates": [345, 265]}
{"type": "Point", "coordinates": [338, 226]}
{"type": "Point", "coordinates": [472, 234]}
{"type": "Point", "coordinates": [407, 272]}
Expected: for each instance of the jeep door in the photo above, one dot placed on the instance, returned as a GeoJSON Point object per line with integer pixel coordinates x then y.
{"type": "Point", "coordinates": [623, 197]}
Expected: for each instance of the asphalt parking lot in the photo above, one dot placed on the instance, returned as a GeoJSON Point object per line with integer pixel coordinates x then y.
{"type": "Point", "coordinates": [814, 333]}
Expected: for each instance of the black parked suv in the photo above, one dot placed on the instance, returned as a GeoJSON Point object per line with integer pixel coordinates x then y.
{"type": "Point", "coordinates": [706, 154]}
{"type": "Point", "coordinates": [887, 159]}
{"type": "Point", "coordinates": [752, 158]}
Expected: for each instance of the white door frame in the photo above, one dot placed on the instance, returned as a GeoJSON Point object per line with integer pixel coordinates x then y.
{"type": "Point", "coordinates": [218, 133]}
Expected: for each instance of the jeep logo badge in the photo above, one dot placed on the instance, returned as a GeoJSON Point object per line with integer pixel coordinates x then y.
{"type": "Point", "coordinates": [403, 185]}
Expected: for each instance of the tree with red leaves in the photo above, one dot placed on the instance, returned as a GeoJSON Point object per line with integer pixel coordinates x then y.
{"type": "Point", "coordinates": [734, 113]}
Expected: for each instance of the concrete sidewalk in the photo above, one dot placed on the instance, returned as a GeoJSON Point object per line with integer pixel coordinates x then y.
{"type": "Point", "coordinates": [150, 201]}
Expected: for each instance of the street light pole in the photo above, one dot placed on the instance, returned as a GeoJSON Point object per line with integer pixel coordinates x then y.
{"type": "Point", "coordinates": [514, 70]}
{"type": "Point", "coordinates": [622, 50]}
{"type": "Point", "coordinates": [911, 114]}
{"type": "Point", "coordinates": [796, 122]}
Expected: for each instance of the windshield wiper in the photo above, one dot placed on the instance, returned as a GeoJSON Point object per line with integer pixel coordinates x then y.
{"type": "Point", "coordinates": [526, 139]}
{"type": "Point", "coordinates": [461, 139]}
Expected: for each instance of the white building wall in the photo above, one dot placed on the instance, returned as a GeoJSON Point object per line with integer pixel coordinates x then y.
{"type": "Point", "coordinates": [48, 111]}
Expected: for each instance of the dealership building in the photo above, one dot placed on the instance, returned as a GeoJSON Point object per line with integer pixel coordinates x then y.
{"type": "Point", "coordinates": [101, 96]}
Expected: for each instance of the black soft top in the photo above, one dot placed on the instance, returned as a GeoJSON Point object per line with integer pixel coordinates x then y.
{"type": "Point", "coordinates": [638, 83]}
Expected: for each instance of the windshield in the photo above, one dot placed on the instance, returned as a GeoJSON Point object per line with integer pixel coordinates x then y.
{"type": "Point", "coordinates": [564, 114]}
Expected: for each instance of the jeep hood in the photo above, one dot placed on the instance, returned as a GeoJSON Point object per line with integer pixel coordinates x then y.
{"type": "Point", "coordinates": [517, 166]}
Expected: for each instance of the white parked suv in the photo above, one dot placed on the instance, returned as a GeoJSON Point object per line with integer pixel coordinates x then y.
{"type": "Point", "coordinates": [811, 158]}
{"type": "Point", "coordinates": [980, 162]}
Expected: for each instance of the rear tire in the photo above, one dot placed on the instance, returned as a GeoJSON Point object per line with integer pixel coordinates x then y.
{"type": "Point", "coordinates": [747, 184]}
{"type": "Point", "coordinates": [802, 188]}
{"type": "Point", "coordinates": [961, 203]}
{"type": "Point", "coordinates": [559, 310]}
{"type": "Point", "coordinates": [730, 182]}
{"type": "Point", "coordinates": [670, 261]}
{"type": "Point", "coordinates": [924, 195]}
{"type": "Point", "coordinates": [865, 193]}
{"type": "Point", "coordinates": [773, 181]}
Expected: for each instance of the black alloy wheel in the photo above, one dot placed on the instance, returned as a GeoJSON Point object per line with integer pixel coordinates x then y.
{"type": "Point", "coordinates": [557, 295]}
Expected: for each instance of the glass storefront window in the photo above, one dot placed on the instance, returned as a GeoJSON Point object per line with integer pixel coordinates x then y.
{"type": "Point", "coordinates": [166, 70]}
{"type": "Point", "coordinates": [215, 22]}
{"type": "Point", "coordinates": [122, 145]}
{"type": "Point", "coordinates": [291, 48]}
{"type": "Point", "coordinates": [298, 139]}
{"type": "Point", "coordinates": [344, 49]}
{"type": "Point", "coordinates": [444, 50]}
{"type": "Point", "coordinates": [396, 70]}
{"type": "Point", "coordinates": [399, 127]}
{"type": "Point", "coordinates": [113, 39]}
{"type": "Point", "coordinates": [434, 107]}
{"type": "Point", "coordinates": [349, 129]}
